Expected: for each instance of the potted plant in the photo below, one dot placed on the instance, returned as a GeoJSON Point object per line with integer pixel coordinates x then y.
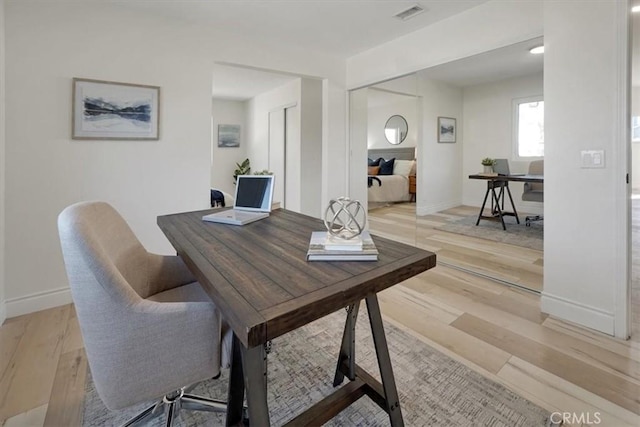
{"type": "Point", "coordinates": [243, 168]}
{"type": "Point", "coordinates": [487, 162]}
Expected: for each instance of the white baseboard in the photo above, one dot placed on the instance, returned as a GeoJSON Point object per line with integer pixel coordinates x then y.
{"type": "Point", "coordinates": [3, 312]}
{"type": "Point", "coordinates": [430, 209]}
{"type": "Point", "coordinates": [581, 314]}
{"type": "Point", "coordinates": [38, 301]}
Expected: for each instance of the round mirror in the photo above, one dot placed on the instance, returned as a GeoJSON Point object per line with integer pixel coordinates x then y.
{"type": "Point", "coordinates": [395, 130]}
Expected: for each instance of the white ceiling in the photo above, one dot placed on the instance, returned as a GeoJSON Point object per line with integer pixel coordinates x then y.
{"type": "Point", "coordinates": [344, 28]}
{"type": "Point", "coordinates": [239, 83]}
{"type": "Point", "coordinates": [335, 27]}
{"type": "Point", "coordinates": [380, 97]}
{"type": "Point", "coordinates": [499, 64]}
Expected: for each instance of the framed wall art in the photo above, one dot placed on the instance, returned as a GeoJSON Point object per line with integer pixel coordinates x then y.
{"type": "Point", "coordinates": [112, 110]}
{"type": "Point", "coordinates": [228, 135]}
{"type": "Point", "coordinates": [446, 129]}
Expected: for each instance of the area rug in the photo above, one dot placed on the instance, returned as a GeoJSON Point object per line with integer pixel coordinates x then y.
{"type": "Point", "coordinates": [434, 389]}
{"type": "Point", "coordinates": [515, 234]}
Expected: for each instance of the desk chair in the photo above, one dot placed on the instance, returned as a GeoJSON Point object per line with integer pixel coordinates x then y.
{"type": "Point", "coordinates": [534, 191]}
{"type": "Point", "coordinates": [148, 327]}
{"type": "Point", "coordinates": [220, 198]}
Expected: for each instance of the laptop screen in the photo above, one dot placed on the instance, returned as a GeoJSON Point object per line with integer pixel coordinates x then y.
{"type": "Point", "coordinates": [501, 167]}
{"type": "Point", "coordinates": [254, 192]}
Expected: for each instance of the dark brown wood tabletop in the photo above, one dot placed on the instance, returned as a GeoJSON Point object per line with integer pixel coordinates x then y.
{"type": "Point", "coordinates": [512, 178]}
{"type": "Point", "coordinates": [258, 276]}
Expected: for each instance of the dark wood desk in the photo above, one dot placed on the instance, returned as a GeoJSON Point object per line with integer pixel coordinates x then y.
{"type": "Point", "coordinates": [259, 279]}
{"type": "Point", "coordinates": [501, 182]}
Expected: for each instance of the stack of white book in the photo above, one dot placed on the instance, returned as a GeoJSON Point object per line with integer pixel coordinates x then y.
{"type": "Point", "coordinates": [325, 247]}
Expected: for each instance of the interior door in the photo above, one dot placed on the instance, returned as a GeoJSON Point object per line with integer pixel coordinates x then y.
{"type": "Point", "coordinates": [358, 122]}
{"type": "Point", "coordinates": [277, 147]}
{"type": "Point", "coordinates": [292, 156]}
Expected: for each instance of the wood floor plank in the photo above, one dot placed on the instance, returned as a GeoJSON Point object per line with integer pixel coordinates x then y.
{"type": "Point", "coordinates": [496, 313]}
{"type": "Point", "coordinates": [72, 337]}
{"type": "Point", "coordinates": [476, 351]}
{"type": "Point", "coordinates": [32, 418]}
{"type": "Point", "coordinates": [446, 276]}
{"type": "Point", "coordinates": [10, 336]}
{"type": "Point", "coordinates": [478, 304]}
{"type": "Point", "coordinates": [492, 268]}
{"type": "Point", "coordinates": [628, 348]}
{"type": "Point", "coordinates": [613, 388]}
{"type": "Point", "coordinates": [67, 394]}
{"type": "Point", "coordinates": [503, 302]}
{"type": "Point", "coordinates": [563, 395]}
{"type": "Point", "coordinates": [415, 301]}
{"type": "Point", "coordinates": [27, 381]}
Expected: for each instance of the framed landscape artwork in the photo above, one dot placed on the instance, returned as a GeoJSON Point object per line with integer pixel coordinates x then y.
{"type": "Point", "coordinates": [228, 135]}
{"type": "Point", "coordinates": [446, 129]}
{"type": "Point", "coordinates": [111, 110]}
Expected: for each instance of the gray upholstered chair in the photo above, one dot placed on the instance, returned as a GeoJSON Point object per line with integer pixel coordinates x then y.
{"type": "Point", "coordinates": [534, 191]}
{"type": "Point", "coordinates": [149, 328]}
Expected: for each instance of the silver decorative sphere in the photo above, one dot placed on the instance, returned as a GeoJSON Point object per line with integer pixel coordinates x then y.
{"type": "Point", "coordinates": [345, 218]}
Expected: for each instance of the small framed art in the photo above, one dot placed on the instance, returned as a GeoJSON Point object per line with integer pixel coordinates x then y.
{"type": "Point", "coordinates": [112, 110]}
{"type": "Point", "coordinates": [446, 129]}
{"type": "Point", "coordinates": [228, 135]}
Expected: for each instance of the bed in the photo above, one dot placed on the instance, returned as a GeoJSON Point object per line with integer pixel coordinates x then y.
{"type": "Point", "coordinates": [394, 187]}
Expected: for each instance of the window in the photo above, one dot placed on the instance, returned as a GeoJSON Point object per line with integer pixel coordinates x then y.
{"type": "Point", "coordinates": [528, 128]}
{"type": "Point", "coordinates": [635, 128]}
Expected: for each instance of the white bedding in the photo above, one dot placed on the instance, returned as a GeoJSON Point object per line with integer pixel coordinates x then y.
{"type": "Point", "coordinates": [394, 188]}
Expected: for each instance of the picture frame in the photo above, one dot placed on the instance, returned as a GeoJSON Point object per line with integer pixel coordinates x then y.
{"type": "Point", "coordinates": [446, 129]}
{"type": "Point", "coordinates": [229, 136]}
{"type": "Point", "coordinates": [107, 110]}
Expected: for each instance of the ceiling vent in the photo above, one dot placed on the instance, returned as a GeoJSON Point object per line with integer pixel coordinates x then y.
{"type": "Point", "coordinates": [414, 10]}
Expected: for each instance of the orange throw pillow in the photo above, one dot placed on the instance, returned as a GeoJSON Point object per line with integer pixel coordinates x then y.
{"type": "Point", "coordinates": [373, 170]}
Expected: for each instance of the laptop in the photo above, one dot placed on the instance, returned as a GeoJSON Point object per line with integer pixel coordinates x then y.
{"type": "Point", "coordinates": [501, 167]}
{"type": "Point", "coordinates": [254, 194]}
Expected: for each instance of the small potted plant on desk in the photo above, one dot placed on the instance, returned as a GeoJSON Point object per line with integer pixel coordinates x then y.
{"type": "Point", "coordinates": [487, 162]}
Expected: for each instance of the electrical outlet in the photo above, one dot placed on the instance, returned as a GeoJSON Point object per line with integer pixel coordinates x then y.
{"type": "Point", "coordinates": [592, 159]}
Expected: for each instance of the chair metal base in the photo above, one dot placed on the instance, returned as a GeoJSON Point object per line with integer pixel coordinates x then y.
{"type": "Point", "coordinates": [528, 219]}
{"type": "Point", "coordinates": [172, 404]}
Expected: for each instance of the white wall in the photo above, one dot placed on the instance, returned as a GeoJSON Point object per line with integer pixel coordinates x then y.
{"type": "Point", "coordinates": [439, 174]}
{"type": "Point", "coordinates": [3, 311]}
{"type": "Point", "coordinates": [585, 234]}
{"type": "Point", "coordinates": [635, 146]}
{"type": "Point", "coordinates": [47, 45]}
{"type": "Point", "coordinates": [585, 263]}
{"type": "Point", "coordinates": [258, 120]}
{"type": "Point", "coordinates": [488, 26]}
{"type": "Point", "coordinates": [224, 159]}
{"type": "Point", "coordinates": [310, 147]}
{"type": "Point", "coordinates": [358, 119]}
{"type": "Point", "coordinates": [378, 115]}
{"type": "Point", "coordinates": [258, 127]}
{"type": "Point", "coordinates": [304, 149]}
{"type": "Point", "coordinates": [487, 127]}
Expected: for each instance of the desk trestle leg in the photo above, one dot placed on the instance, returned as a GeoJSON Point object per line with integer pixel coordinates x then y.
{"type": "Point", "coordinates": [348, 347]}
{"type": "Point", "coordinates": [254, 366]}
{"type": "Point", "coordinates": [235, 396]}
{"type": "Point", "coordinates": [384, 362]}
{"type": "Point", "coordinates": [385, 394]}
{"type": "Point", "coordinates": [254, 363]}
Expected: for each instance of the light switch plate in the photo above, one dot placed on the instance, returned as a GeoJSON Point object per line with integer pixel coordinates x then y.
{"type": "Point", "coordinates": [592, 159]}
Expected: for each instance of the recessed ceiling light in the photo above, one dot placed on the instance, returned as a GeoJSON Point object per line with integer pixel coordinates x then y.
{"type": "Point", "coordinates": [414, 10]}
{"type": "Point", "coordinates": [635, 8]}
{"type": "Point", "coordinates": [537, 50]}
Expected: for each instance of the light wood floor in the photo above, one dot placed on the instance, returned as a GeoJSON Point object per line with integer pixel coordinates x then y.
{"type": "Point", "coordinates": [496, 330]}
